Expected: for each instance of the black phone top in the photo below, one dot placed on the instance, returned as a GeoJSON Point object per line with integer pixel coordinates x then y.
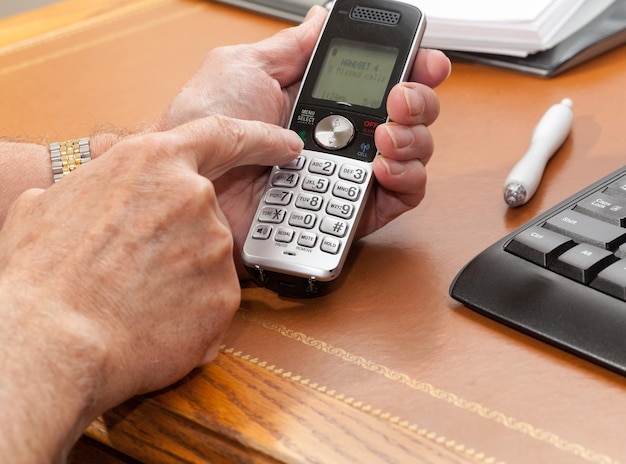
{"type": "Point", "coordinates": [366, 48]}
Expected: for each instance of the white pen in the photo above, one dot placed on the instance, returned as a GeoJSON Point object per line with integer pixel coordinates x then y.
{"type": "Point", "coordinates": [547, 138]}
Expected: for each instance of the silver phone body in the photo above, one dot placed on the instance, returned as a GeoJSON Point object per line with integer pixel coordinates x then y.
{"type": "Point", "coordinates": [306, 221]}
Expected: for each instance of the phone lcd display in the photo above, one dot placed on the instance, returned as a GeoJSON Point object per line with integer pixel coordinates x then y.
{"type": "Point", "coordinates": [355, 72]}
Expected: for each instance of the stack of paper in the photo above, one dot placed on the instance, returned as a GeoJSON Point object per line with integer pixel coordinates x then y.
{"type": "Point", "coordinates": [511, 29]}
{"type": "Point", "coordinates": [506, 27]}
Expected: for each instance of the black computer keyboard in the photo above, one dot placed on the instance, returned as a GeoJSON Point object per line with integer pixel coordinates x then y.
{"type": "Point", "coordinates": [561, 277]}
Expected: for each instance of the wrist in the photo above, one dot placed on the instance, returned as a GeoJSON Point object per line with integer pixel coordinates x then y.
{"type": "Point", "coordinates": [67, 156]}
{"type": "Point", "coordinates": [103, 140]}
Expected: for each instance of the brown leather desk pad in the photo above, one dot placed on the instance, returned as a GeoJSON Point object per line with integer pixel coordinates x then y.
{"type": "Point", "coordinates": [387, 368]}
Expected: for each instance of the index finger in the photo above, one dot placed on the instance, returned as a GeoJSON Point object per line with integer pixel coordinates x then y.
{"type": "Point", "coordinates": [217, 144]}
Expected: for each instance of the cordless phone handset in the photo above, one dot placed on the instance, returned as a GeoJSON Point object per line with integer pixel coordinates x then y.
{"type": "Point", "coordinates": [305, 222]}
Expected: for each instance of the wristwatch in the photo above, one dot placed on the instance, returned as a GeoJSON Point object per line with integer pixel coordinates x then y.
{"type": "Point", "coordinates": [67, 156]}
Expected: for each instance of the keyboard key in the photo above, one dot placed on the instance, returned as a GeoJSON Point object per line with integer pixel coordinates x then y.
{"type": "Point", "coordinates": [604, 207]}
{"type": "Point", "coordinates": [617, 188]}
{"type": "Point", "coordinates": [582, 262]}
{"type": "Point", "coordinates": [539, 245]}
{"type": "Point", "coordinates": [612, 280]}
{"type": "Point", "coordinates": [587, 229]}
{"type": "Point", "coordinates": [621, 251]}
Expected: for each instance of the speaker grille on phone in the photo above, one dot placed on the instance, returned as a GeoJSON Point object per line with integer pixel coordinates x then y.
{"type": "Point", "coordinates": [374, 15]}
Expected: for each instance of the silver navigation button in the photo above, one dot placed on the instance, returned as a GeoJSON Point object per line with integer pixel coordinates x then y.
{"type": "Point", "coordinates": [334, 132]}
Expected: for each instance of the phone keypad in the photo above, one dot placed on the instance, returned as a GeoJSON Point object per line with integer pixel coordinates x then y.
{"type": "Point", "coordinates": [311, 205]}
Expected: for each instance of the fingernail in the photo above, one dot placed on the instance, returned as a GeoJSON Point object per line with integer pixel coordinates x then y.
{"type": "Point", "coordinates": [414, 101]}
{"type": "Point", "coordinates": [312, 12]}
{"type": "Point", "coordinates": [393, 167]}
{"type": "Point", "coordinates": [399, 136]}
{"type": "Point", "coordinates": [293, 140]}
{"type": "Point", "coordinates": [449, 67]}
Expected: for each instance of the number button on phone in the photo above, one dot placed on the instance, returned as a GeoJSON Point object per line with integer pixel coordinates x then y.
{"type": "Point", "coordinates": [285, 179]}
{"type": "Point", "coordinates": [322, 166]}
{"type": "Point", "coordinates": [339, 208]}
{"type": "Point", "coordinates": [278, 197]}
{"type": "Point", "coordinates": [315, 184]}
{"type": "Point", "coordinates": [304, 220]}
{"type": "Point", "coordinates": [353, 173]}
{"type": "Point", "coordinates": [347, 191]}
{"type": "Point", "coordinates": [311, 202]}
{"type": "Point", "coordinates": [295, 164]}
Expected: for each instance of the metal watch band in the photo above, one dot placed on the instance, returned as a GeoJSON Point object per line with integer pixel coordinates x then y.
{"type": "Point", "coordinates": [67, 156]}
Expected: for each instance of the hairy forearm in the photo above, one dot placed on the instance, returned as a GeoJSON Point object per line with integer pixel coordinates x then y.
{"type": "Point", "coordinates": [23, 165]}
{"type": "Point", "coordinates": [50, 376]}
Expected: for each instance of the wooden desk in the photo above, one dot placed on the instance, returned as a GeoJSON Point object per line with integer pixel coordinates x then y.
{"type": "Point", "coordinates": [387, 368]}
